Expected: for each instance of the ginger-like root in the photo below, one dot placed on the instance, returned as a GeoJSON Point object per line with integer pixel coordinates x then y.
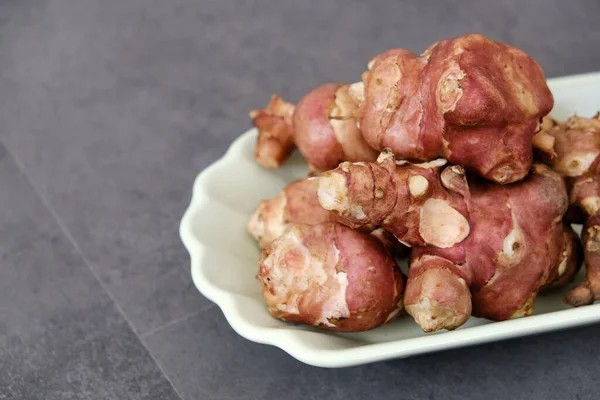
{"type": "Point", "coordinates": [275, 141]}
{"type": "Point", "coordinates": [296, 203]}
{"type": "Point", "coordinates": [408, 200]}
{"type": "Point", "coordinates": [572, 148]}
{"type": "Point", "coordinates": [332, 277]}
{"type": "Point", "coordinates": [575, 154]}
{"type": "Point", "coordinates": [543, 142]}
{"type": "Point", "coordinates": [325, 129]}
{"type": "Point", "coordinates": [589, 290]}
{"type": "Point", "coordinates": [323, 126]}
{"type": "Point", "coordinates": [478, 248]}
{"type": "Point", "coordinates": [470, 100]}
{"type": "Point", "coordinates": [437, 298]}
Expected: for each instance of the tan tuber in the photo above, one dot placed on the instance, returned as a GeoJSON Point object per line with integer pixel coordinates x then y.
{"type": "Point", "coordinates": [274, 124]}
{"type": "Point", "coordinates": [573, 150]}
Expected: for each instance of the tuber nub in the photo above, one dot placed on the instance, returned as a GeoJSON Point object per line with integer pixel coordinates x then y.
{"type": "Point", "coordinates": [332, 277]}
{"type": "Point", "coordinates": [573, 150]}
{"type": "Point", "coordinates": [275, 141]}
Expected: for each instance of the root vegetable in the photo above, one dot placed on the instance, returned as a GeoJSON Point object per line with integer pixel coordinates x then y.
{"type": "Point", "coordinates": [478, 248]}
{"type": "Point", "coordinates": [274, 124]}
{"type": "Point", "coordinates": [323, 126]}
{"type": "Point", "coordinates": [381, 194]}
{"type": "Point", "coordinates": [470, 100]}
{"type": "Point", "coordinates": [482, 246]}
{"type": "Point", "coordinates": [325, 129]}
{"type": "Point", "coordinates": [297, 203]}
{"type": "Point", "coordinates": [573, 150]}
{"type": "Point", "coordinates": [332, 277]}
{"type": "Point", "coordinates": [589, 291]}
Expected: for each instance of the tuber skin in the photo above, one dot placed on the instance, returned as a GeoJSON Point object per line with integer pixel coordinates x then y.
{"type": "Point", "coordinates": [407, 200]}
{"type": "Point", "coordinates": [533, 248]}
{"type": "Point", "coordinates": [323, 126]}
{"type": "Point", "coordinates": [325, 129]}
{"type": "Point", "coordinates": [332, 277]}
{"type": "Point", "coordinates": [573, 150]}
{"type": "Point", "coordinates": [470, 100]}
{"type": "Point", "coordinates": [275, 141]}
{"type": "Point", "coordinates": [588, 291]}
{"type": "Point", "coordinates": [478, 248]}
{"type": "Point", "coordinates": [296, 203]}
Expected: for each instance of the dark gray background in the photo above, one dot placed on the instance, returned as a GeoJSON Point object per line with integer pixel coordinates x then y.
{"type": "Point", "coordinates": [109, 109]}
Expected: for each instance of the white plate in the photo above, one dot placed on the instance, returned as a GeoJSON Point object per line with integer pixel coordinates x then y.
{"type": "Point", "coordinates": [224, 261]}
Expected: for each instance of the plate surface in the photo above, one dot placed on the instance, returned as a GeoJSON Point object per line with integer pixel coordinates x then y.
{"type": "Point", "coordinates": [224, 261]}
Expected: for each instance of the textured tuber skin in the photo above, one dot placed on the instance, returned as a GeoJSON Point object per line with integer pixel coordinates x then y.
{"type": "Point", "coordinates": [407, 200]}
{"type": "Point", "coordinates": [478, 248]}
{"type": "Point", "coordinates": [275, 141]}
{"type": "Point", "coordinates": [532, 248]}
{"type": "Point", "coordinates": [325, 129]}
{"type": "Point", "coordinates": [470, 100]}
{"type": "Point", "coordinates": [332, 277]}
{"type": "Point", "coordinates": [296, 203]}
{"type": "Point", "coordinates": [323, 126]}
{"type": "Point", "coordinates": [588, 291]}
{"type": "Point", "coordinates": [573, 150]}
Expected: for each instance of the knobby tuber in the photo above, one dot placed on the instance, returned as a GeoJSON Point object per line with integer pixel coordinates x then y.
{"type": "Point", "coordinates": [482, 246]}
{"type": "Point", "coordinates": [330, 276]}
{"type": "Point", "coordinates": [478, 248]}
{"type": "Point", "coordinates": [323, 126]}
{"type": "Point", "coordinates": [275, 141]}
{"type": "Point", "coordinates": [470, 100]}
{"type": "Point", "coordinates": [573, 150]}
{"type": "Point", "coordinates": [325, 129]}
{"type": "Point", "coordinates": [297, 203]}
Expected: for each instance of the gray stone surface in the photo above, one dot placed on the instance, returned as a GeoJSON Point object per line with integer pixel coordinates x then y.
{"type": "Point", "coordinates": [61, 336]}
{"type": "Point", "coordinates": [111, 107]}
{"type": "Point", "coordinates": [205, 358]}
{"type": "Point", "coordinates": [90, 127]}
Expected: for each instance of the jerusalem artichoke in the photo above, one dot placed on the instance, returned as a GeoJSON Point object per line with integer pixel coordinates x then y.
{"type": "Point", "coordinates": [483, 247]}
{"type": "Point", "coordinates": [325, 129]}
{"type": "Point", "coordinates": [296, 203]}
{"type": "Point", "coordinates": [470, 100]}
{"type": "Point", "coordinates": [573, 150]}
{"type": "Point", "coordinates": [274, 124]}
{"type": "Point", "coordinates": [478, 248]}
{"type": "Point", "coordinates": [332, 277]}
